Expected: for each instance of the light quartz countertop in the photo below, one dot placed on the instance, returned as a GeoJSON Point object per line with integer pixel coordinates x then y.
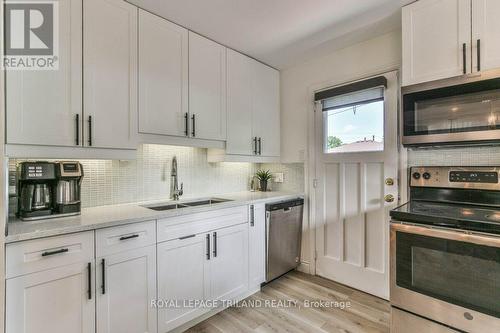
{"type": "Point", "coordinates": [113, 215]}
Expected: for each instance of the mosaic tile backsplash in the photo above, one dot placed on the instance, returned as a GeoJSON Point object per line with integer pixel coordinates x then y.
{"type": "Point", "coordinates": [108, 182]}
{"type": "Point", "coordinates": [460, 156]}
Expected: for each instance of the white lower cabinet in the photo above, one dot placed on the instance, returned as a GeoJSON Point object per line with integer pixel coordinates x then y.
{"type": "Point", "coordinates": [229, 262]}
{"type": "Point", "coordinates": [183, 275]}
{"type": "Point", "coordinates": [126, 285]}
{"type": "Point", "coordinates": [257, 245]}
{"type": "Point", "coordinates": [58, 300]}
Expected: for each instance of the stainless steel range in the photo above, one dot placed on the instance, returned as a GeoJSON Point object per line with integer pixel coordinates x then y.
{"type": "Point", "coordinates": [445, 252]}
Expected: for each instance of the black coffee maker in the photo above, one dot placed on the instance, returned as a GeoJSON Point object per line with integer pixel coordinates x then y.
{"type": "Point", "coordinates": [48, 189]}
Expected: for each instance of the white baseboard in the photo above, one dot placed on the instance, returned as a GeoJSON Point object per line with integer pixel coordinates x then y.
{"type": "Point", "coordinates": [304, 267]}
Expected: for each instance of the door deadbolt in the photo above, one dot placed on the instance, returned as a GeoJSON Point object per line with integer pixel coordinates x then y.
{"type": "Point", "coordinates": [389, 198]}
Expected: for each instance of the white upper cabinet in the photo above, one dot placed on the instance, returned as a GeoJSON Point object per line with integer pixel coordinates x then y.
{"type": "Point", "coordinates": [239, 104]}
{"type": "Point", "coordinates": [207, 88]}
{"type": "Point", "coordinates": [43, 105]}
{"type": "Point", "coordinates": [110, 73]}
{"type": "Point", "coordinates": [253, 109]}
{"type": "Point", "coordinates": [436, 40]}
{"type": "Point", "coordinates": [266, 110]}
{"type": "Point", "coordinates": [163, 76]}
{"type": "Point", "coordinates": [485, 34]}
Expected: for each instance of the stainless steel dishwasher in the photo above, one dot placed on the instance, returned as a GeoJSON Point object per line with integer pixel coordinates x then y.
{"type": "Point", "coordinates": [283, 237]}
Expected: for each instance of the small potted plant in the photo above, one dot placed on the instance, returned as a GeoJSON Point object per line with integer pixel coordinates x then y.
{"type": "Point", "coordinates": [264, 177]}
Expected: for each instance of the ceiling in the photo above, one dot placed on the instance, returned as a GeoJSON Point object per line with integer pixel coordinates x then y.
{"type": "Point", "coordinates": [281, 33]}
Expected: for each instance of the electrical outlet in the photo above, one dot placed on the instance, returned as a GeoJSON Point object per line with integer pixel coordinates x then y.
{"type": "Point", "coordinates": [278, 177]}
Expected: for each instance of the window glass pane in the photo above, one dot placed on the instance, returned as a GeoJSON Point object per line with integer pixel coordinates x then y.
{"type": "Point", "coordinates": [356, 128]}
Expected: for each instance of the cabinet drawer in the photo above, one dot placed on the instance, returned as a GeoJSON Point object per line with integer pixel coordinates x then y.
{"type": "Point", "coordinates": [186, 225]}
{"type": "Point", "coordinates": [46, 253]}
{"type": "Point", "coordinates": [123, 238]}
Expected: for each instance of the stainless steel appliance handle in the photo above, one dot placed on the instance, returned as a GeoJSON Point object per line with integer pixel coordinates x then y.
{"type": "Point", "coordinates": [445, 233]}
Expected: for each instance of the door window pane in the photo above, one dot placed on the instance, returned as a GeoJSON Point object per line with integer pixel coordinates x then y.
{"type": "Point", "coordinates": [354, 128]}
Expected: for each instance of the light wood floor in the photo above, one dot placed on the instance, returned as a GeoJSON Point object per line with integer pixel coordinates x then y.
{"type": "Point", "coordinates": [366, 313]}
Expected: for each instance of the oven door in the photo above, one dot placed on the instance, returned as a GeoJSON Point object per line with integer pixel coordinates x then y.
{"type": "Point", "coordinates": [467, 112]}
{"type": "Point", "coordinates": [447, 276]}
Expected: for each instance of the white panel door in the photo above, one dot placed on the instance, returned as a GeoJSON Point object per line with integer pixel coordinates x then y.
{"type": "Point", "coordinates": [183, 275]}
{"type": "Point", "coordinates": [51, 301]}
{"type": "Point", "coordinates": [110, 73]}
{"type": "Point", "coordinates": [229, 262]}
{"type": "Point", "coordinates": [266, 109]}
{"type": "Point", "coordinates": [434, 33]}
{"type": "Point", "coordinates": [239, 104]}
{"type": "Point", "coordinates": [352, 219]}
{"type": "Point", "coordinates": [207, 88]}
{"type": "Point", "coordinates": [124, 300]}
{"type": "Point", "coordinates": [42, 106]}
{"type": "Point", "coordinates": [257, 245]}
{"type": "Point", "coordinates": [485, 34]}
{"type": "Point", "coordinates": [163, 76]}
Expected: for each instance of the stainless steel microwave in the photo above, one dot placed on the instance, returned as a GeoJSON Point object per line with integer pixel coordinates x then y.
{"type": "Point", "coordinates": [455, 111]}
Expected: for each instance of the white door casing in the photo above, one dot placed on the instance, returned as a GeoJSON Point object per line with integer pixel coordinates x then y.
{"type": "Point", "coordinates": [352, 221]}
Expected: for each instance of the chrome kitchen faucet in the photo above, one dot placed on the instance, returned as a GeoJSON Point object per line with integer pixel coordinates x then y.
{"type": "Point", "coordinates": [175, 192]}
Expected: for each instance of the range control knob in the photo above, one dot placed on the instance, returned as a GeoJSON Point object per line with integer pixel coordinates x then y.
{"type": "Point", "coordinates": [416, 175]}
{"type": "Point", "coordinates": [426, 175]}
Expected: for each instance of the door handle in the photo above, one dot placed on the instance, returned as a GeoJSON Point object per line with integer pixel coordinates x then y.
{"type": "Point", "coordinates": [389, 181]}
{"type": "Point", "coordinates": [103, 267]}
{"type": "Point", "coordinates": [90, 131]}
{"type": "Point", "coordinates": [89, 277]}
{"type": "Point", "coordinates": [193, 123]}
{"type": "Point", "coordinates": [208, 246]}
{"type": "Point", "coordinates": [215, 244]}
{"type": "Point", "coordinates": [478, 55]}
{"type": "Point", "coordinates": [77, 123]}
{"type": "Point", "coordinates": [389, 198]}
{"type": "Point", "coordinates": [464, 57]}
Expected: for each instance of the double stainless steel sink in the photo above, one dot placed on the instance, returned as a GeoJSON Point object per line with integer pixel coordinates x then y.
{"type": "Point", "coordinates": [170, 205]}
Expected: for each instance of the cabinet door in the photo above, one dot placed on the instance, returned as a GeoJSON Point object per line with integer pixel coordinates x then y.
{"type": "Point", "coordinates": [229, 263]}
{"type": "Point", "coordinates": [51, 301]}
{"type": "Point", "coordinates": [42, 105]}
{"type": "Point", "coordinates": [434, 32]}
{"type": "Point", "coordinates": [163, 76]}
{"type": "Point", "coordinates": [183, 275]}
{"type": "Point", "coordinates": [124, 300]}
{"type": "Point", "coordinates": [266, 109]}
{"type": "Point", "coordinates": [485, 34]}
{"type": "Point", "coordinates": [110, 73]}
{"type": "Point", "coordinates": [239, 104]}
{"type": "Point", "coordinates": [257, 245]}
{"type": "Point", "coordinates": [207, 88]}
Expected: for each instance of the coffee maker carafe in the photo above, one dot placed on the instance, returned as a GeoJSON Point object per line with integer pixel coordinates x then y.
{"type": "Point", "coordinates": [69, 177]}
{"type": "Point", "coordinates": [49, 189]}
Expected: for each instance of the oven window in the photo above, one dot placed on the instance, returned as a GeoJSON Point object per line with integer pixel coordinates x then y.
{"type": "Point", "coordinates": [460, 273]}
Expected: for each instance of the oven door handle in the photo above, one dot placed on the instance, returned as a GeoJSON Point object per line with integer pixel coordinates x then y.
{"type": "Point", "coordinates": [451, 234]}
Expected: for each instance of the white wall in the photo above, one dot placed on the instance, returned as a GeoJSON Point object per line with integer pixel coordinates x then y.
{"type": "Point", "coordinates": [371, 57]}
{"type": "Point", "coordinates": [357, 61]}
